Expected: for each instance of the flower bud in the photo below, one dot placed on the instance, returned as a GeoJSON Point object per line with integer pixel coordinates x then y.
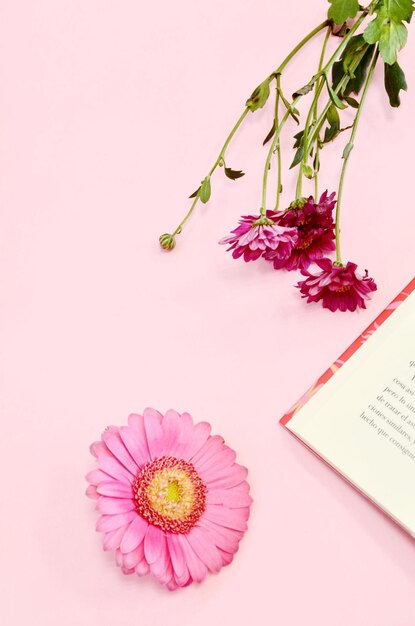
{"type": "Point", "coordinates": [167, 241]}
{"type": "Point", "coordinates": [259, 96]}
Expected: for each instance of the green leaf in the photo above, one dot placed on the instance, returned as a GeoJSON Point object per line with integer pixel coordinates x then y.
{"type": "Point", "coordinates": [259, 96]}
{"type": "Point", "coordinates": [341, 10]}
{"type": "Point", "coordinates": [303, 90]}
{"type": "Point", "coordinates": [205, 190]}
{"type": "Point", "coordinates": [298, 139]}
{"type": "Point", "coordinates": [400, 10]}
{"type": "Point", "coordinates": [333, 96]}
{"type": "Point", "coordinates": [394, 82]}
{"type": "Point", "coordinates": [195, 193]}
{"type": "Point", "coordinates": [347, 150]}
{"type": "Point", "coordinates": [356, 83]}
{"type": "Point", "coordinates": [298, 157]}
{"type": "Point", "coordinates": [393, 39]}
{"type": "Point", "coordinates": [270, 135]}
{"type": "Point", "coordinates": [234, 174]}
{"type": "Point", "coordinates": [333, 119]}
{"type": "Point", "coordinates": [388, 28]}
{"type": "Point", "coordinates": [351, 102]}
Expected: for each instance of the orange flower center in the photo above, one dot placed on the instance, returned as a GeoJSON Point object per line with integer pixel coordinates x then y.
{"type": "Point", "coordinates": [343, 289]}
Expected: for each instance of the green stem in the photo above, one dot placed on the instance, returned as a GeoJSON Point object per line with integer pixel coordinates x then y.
{"type": "Point", "coordinates": [312, 114]}
{"type": "Point", "coordinates": [279, 160]}
{"type": "Point", "coordinates": [348, 149]}
{"type": "Point", "coordinates": [221, 157]}
{"type": "Point", "coordinates": [320, 121]}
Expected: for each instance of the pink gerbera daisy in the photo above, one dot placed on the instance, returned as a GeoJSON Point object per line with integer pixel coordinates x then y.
{"type": "Point", "coordinates": [257, 235]}
{"type": "Point", "coordinates": [173, 502]}
{"type": "Point", "coordinates": [337, 286]}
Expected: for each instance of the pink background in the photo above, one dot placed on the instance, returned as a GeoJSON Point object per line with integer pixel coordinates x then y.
{"type": "Point", "coordinates": [110, 114]}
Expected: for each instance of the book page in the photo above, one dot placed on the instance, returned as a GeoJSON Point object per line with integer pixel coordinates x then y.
{"type": "Point", "coordinates": [362, 421]}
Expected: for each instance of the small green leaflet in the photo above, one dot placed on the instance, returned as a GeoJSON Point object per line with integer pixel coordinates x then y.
{"type": "Point", "coordinates": [205, 190]}
{"type": "Point", "coordinates": [333, 119]}
{"type": "Point", "coordinates": [347, 150]}
{"type": "Point", "coordinates": [341, 10]}
{"type": "Point", "coordinates": [303, 91]}
{"type": "Point", "coordinates": [333, 96]}
{"type": "Point", "coordinates": [270, 135]}
{"type": "Point", "coordinates": [234, 174]}
{"type": "Point", "coordinates": [195, 193]}
{"type": "Point", "coordinates": [259, 96]}
{"type": "Point", "coordinates": [394, 82]}
{"type": "Point", "coordinates": [399, 10]}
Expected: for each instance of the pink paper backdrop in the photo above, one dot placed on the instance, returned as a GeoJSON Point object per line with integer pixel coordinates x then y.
{"type": "Point", "coordinates": [110, 114]}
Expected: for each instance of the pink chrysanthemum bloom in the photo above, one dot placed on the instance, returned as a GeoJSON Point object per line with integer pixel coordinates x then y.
{"type": "Point", "coordinates": [338, 287]}
{"type": "Point", "coordinates": [311, 246]}
{"type": "Point", "coordinates": [173, 502]}
{"type": "Point", "coordinates": [257, 235]}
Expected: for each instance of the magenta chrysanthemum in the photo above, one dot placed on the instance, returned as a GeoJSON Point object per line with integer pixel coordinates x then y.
{"type": "Point", "coordinates": [338, 287]}
{"type": "Point", "coordinates": [311, 246]}
{"type": "Point", "coordinates": [309, 214]}
{"type": "Point", "coordinates": [257, 235]}
{"type": "Point", "coordinates": [173, 502]}
{"type": "Point", "coordinates": [314, 227]}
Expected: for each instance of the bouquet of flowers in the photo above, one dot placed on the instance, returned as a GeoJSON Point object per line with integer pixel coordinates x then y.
{"type": "Point", "coordinates": [307, 232]}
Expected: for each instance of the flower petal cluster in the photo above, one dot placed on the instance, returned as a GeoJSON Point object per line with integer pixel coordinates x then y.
{"type": "Point", "coordinates": [314, 226]}
{"type": "Point", "coordinates": [338, 287]}
{"type": "Point", "coordinates": [257, 235]}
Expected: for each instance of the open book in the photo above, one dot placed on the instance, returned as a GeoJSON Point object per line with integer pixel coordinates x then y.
{"type": "Point", "coordinates": [360, 415]}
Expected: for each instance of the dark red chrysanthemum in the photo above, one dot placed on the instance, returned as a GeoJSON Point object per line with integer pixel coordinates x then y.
{"type": "Point", "coordinates": [339, 287]}
{"type": "Point", "coordinates": [311, 246]}
{"type": "Point", "coordinates": [309, 214]}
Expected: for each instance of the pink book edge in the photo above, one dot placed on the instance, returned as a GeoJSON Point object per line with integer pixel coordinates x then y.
{"type": "Point", "coordinates": [401, 297]}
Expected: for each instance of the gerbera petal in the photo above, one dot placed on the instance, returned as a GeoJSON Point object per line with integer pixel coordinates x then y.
{"type": "Point", "coordinates": [201, 432]}
{"type": "Point", "coordinates": [115, 489]}
{"type": "Point", "coordinates": [153, 543]}
{"type": "Point", "coordinates": [212, 467]}
{"type": "Point", "coordinates": [96, 476]}
{"type": "Point", "coordinates": [114, 443]}
{"type": "Point", "coordinates": [91, 492]}
{"type": "Point", "coordinates": [142, 568]}
{"type": "Point", "coordinates": [131, 559]}
{"type": "Point", "coordinates": [225, 538]}
{"type": "Point", "coordinates": [229, 498]}
{"type": "Point", "coordinates": [211, 447]}
{"type": "Point", "coordinates": [171, 432]}
{"type": "Point", "coordinates": [230, 518]}
{"type": "Point", "coordinates": [112, 506]}
{"type": "Point", "coordinates": [154, 432]}
{"type": "Point", "coordinates": [113, 468]}
{"type": "Point", "coordinates": [161, 568]}
{"type": "Point", "coordinates": [112, 539]}
{"type": "Point", "coordinates": [185, 434]}
{"type": "Point", "coordinates": [230, 477]}
{"type": "Point", "coordinates": [204, 547]}
{"type": "Point", "coordinates": [197, 569]}
{"type": "Point", "coordinates": [106, 523]}
{"type": "Point", "coordinates": [135, 445]}
{"type": "Point", "coordinates": [226, 557]}
{"type": "Point", "coordinates": [134, 535]}
{"type": "Point", "coordinates": [177, 558]}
